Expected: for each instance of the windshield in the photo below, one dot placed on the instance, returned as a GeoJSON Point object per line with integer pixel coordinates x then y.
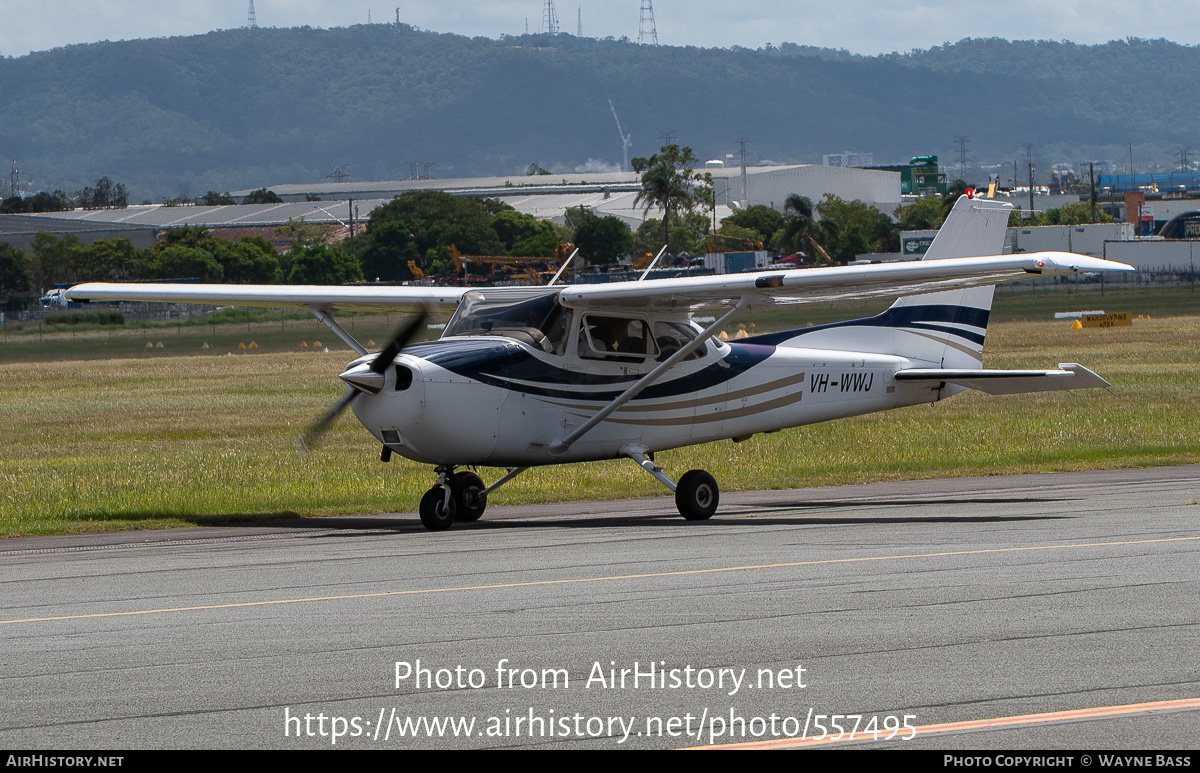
{"type": "Point", "coordinates": [531, 315]}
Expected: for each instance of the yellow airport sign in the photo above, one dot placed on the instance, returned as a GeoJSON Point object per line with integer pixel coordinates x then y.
{"type": "Point", "coordinates": [1112, 319]}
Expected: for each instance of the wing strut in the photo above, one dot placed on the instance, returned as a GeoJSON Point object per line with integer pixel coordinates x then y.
{"type": "Point", "coordinates": [320, 314]}
{"type": "Point", "coordinates": [559, 447]}
{"type": "Point", "coordinates": [653, 263]}
{"type": "Point", "coordinates": [563, 267]}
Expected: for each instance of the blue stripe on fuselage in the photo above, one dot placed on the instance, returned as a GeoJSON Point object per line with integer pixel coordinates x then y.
{"type": "Point", "coordinates": [500, 362]}
{"type": "Point", "coordinates": [921, 317]}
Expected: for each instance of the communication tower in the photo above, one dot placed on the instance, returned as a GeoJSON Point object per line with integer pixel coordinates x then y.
{"type": "Point", "coordinates": [647, 32]}
{"type": "Point", "coordinates": [251, 22]}
{"type": "Point", "coordinates": [549, 19]}
{"type": "Point", "coordinates": [15, 181]}
{"type": "Point", "coordinates": [579, 25]}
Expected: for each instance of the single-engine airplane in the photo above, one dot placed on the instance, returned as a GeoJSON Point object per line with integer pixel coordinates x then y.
{"type": "Point", "coordinates": [574, 373]}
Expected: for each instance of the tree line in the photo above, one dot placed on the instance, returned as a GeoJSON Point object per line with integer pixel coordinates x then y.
{"type": "Point", "coordinates": [187, 252]}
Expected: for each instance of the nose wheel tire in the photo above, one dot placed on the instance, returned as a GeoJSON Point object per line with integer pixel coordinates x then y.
{"type": "Point", "coordinates": [696, 495]}
{"type": "Point", "coordinates": [436, 513]}
{"type": "Point", "coordinates": [468, 496]}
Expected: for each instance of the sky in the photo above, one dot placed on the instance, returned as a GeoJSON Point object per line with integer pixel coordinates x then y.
{"type": "Point", "coordinates": [860, 26]}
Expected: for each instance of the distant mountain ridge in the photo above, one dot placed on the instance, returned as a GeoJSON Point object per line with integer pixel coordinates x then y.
{"type": "Point", "coordinates": [251, 107]}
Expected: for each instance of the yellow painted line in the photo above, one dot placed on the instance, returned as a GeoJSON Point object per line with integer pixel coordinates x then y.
{"type": "Point", "coordinates": [997, 723]}
{"type": "Point", "coordinates": [614, 578]}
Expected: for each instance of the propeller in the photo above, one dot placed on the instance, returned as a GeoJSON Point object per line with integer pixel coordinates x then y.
{"type": "Point", "coordinates": [361, 379]}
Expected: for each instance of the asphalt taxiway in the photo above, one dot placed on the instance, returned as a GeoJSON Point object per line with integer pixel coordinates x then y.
{"type": "Point", "coordinates": [1034, 611]}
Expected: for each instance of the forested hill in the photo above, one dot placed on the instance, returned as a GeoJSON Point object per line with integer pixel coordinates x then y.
{"type": "Point", "coordinates": [245, 108]}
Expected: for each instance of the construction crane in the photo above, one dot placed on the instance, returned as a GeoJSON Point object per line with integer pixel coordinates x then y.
{"type": "Point", "coordinates": [626, 139]}
{"type": "Point", "coordinates": [530, 270]}
{"type": "Point", "coordinates": [738, 243]}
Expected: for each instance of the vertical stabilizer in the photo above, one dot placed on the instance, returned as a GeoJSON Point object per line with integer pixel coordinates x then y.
{"type": "Point", "coordinates": [957, 320]}
{"type": "Point", "coordinates": [974, 228]}
{"type": "Point", "coordinates": [942, 330]}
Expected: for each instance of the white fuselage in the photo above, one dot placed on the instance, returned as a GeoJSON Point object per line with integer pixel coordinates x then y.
{"type": "Point", "coordinates": [499, 402]}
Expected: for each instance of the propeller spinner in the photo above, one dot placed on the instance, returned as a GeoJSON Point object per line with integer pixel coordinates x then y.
{"type": "Point", "coordinates": [363, 378]}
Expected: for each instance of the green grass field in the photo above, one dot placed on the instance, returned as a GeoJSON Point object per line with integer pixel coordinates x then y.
{"type": "Point", "coordinates": [102, 433]}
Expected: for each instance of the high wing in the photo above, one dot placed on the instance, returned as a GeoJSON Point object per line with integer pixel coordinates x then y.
{"type": "Point", "coordinates": [833, 284]}
{"type": "Point", "coordinates": [794, 286]}
{"type": "Point", "coordinates": [323, 297]}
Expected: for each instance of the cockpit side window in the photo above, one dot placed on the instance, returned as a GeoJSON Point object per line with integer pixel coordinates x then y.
{"type": "Point", "coordinates": [673, 336]}
{"type": "Point", "coordinates": [624, 339]}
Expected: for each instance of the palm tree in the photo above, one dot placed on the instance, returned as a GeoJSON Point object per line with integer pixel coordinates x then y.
{"type": "Point", "coordinates": [669, 183]}
{"type": "Point", "coordinates": [800, 227]}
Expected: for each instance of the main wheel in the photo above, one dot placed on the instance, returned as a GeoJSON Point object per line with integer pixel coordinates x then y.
{"type": "Point", "coordinates": [696, 495]}
{"type": "Point", "coordinates": [436, 513]}
{"type": "Point", "coordinates": [469, 497]}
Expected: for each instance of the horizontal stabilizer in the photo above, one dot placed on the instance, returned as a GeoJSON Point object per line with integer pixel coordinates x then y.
{"type": "Point", "coordinates": [1009, 382]}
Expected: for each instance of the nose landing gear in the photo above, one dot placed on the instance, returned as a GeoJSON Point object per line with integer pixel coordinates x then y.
{"type": "Point", "coordinates": [458, 496]}
{"type": "Point", "coordinates": [438, 508]}
{"type": "Point", "coordinates": [469, 496]}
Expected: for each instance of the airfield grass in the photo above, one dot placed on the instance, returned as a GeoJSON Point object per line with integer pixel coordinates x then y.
{"type": "Point", "coordinates": [156, 438]}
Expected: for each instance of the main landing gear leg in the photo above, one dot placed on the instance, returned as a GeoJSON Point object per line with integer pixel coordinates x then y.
{"type": "Point", "coordinates": [696, 494]}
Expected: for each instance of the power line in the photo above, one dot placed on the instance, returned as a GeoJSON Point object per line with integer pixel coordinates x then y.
{"type": "Point", "coordinates": [742, 142]}
{"type": "Point", "coordinates": [963, 146]}
{"type": "Point", "coordinates": [1029, 161]}
{"type": "Point", "coordinates": [420, 170]}
{"type": "Point", "coordinates": [339, 173]}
